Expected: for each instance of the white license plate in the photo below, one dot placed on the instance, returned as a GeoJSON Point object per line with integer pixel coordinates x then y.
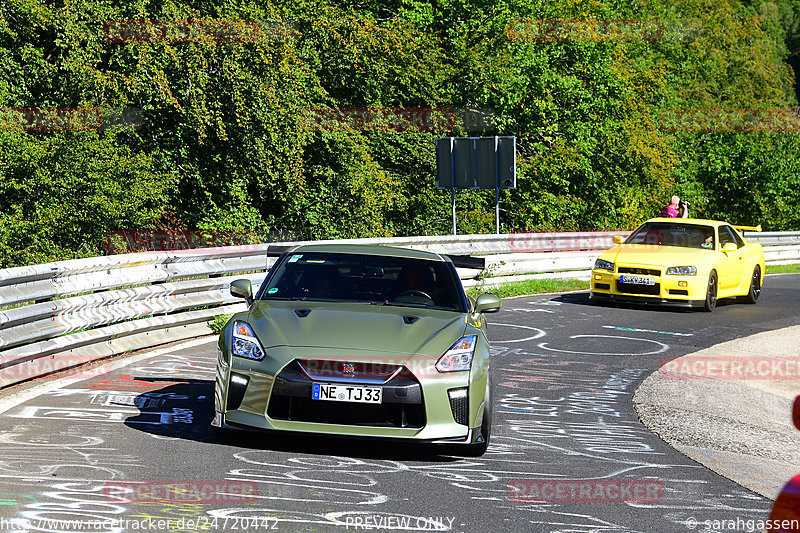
{"type": "Point", "coordinates": [345, 393]}
{"type": "Point", "coordinates": [637, 280]}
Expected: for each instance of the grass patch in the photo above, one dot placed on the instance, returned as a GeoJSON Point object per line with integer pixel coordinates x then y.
{"type": "Point", "coordinates": [783, 269]}
{"type": "Point", "coordinates": [217, 324]}
{"type": "Point", "coordinates": [531, 286]}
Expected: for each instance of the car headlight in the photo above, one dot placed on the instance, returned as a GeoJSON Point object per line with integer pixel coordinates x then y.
{"type": "Point", "coordinates": [245, 343]}
{"type": "Point", "coordinates": [459, 356]}
{"type": "Point", "coordinates": [602, 264]}
{"type": "Point", "coordinates": [682, 271]}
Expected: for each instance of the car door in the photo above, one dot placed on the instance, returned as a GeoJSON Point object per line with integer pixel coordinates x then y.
{"type": "Point", "coordinates": [731, 265]}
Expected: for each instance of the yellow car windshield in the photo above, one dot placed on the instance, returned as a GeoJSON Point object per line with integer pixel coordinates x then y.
{"type": "Point", "coordinates": [671, 234]}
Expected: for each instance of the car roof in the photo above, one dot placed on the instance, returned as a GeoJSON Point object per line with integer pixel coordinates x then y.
{"type": "Point", "coordinates": [368, 249]}
{"type": "Point", "coordinates": [699, 221]}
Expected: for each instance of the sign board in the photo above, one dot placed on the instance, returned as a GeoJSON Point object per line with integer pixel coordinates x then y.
{"type": "Point", "coordinates": [476, 163]}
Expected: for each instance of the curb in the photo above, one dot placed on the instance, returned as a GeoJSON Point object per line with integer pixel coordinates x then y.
{"type": "Point", "coordinates": [740, 429]}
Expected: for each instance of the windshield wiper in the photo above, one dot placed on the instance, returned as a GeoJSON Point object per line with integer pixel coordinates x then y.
{"type": "Point", "coordinates": [398, 304]}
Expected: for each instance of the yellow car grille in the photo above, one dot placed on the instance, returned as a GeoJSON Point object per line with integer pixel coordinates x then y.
{"type": "Point", "coordinates": [639, 271]}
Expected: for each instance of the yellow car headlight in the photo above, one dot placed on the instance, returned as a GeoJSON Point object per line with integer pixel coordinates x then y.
{"type": "Point", "coordinates": [682, 271]}
{"type": "Point", "coordinates": [602, 264]}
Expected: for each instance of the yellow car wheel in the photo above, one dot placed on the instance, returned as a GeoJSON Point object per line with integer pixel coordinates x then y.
{"type": "Point", "coordinates": [755, 287]}
{"type": "Point", "coordinates": [711, 292]}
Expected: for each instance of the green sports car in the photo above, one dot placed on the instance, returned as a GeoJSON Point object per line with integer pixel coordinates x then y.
{"type": "Point", "coordinates": [364, 341]}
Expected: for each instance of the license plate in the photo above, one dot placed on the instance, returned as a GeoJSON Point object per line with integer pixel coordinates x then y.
{"type": "Point", "coordinates": [345, 393]}
{"type": "Point", "coordinates": [637, 280]}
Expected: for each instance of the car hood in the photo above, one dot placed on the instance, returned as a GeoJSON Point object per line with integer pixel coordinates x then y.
{"type": "Point", "coordinates": [356, 326]}
{"type": "Point", "coordinates": [656, 256]}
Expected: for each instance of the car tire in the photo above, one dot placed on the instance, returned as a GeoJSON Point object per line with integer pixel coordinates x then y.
{"type": "Point", "coordinates": [711, 292]}
{"type": "Point", "coordinates": [478, 449]}
{"type": "Point", "coordinates": [755, 287]}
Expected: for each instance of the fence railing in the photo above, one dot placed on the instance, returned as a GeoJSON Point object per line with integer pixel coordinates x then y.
{"type": "Point", "coordinates": [69, 312]}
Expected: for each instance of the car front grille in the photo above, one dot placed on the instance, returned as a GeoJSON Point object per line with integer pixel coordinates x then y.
{"type": "Point", "coordinates": [402, 405]}
{"type": "Point", "coordinates": [347, 372]}
{"type": "Point", "coordinates": [632, 288]}
{"type": "Point", "coordinates": [639, 271]}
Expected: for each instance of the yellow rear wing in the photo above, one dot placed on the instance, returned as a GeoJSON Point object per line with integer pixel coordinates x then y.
{"type": "Point", "coordinates": [748, 228]}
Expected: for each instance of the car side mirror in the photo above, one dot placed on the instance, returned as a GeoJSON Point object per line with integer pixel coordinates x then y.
{"type": "Point", "coordinates": [487, 303]}
{"type": "Point", "coordinates": [241, 288]}
{"type": "Point", "coordinates": [729, 247]}
{"type": "Point", "coordinates": [617, 239]}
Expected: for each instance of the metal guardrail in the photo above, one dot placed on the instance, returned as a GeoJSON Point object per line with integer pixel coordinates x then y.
{"type": "Point", "coordinates": [69, 312]}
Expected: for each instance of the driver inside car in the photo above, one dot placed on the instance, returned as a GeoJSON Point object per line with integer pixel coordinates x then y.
{"type": "Point", "coordinates": [414, 279]}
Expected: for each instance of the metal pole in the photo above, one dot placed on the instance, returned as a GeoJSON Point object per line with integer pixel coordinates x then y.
{"type": "Point", "coordinates": [453, 183]}
{"type": "Point", "coordinates": [496, 186]}
{"type": "Point", "coordinates": [454, 210]}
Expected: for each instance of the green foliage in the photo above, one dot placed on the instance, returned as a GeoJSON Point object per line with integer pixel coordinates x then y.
{"type": "Point", "coordinates": [224, 141]}
{"type": "Point", "coordinates": [217, 324]}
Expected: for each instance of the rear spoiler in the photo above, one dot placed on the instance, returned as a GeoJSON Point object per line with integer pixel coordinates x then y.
{"type": "Point", "coordinates": [467, 261]}
{"type": "Point", "coordinates": [748, 228]}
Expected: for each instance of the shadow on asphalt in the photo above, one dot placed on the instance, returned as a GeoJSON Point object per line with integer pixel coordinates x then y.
{"type": "Point", "coordinates": [582, 298]}
{"type": "Point", "coordinates": [184, 410]}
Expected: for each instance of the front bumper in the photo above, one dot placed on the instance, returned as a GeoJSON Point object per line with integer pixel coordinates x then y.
{"type": "Point", "coordinates": [674, 291]}
{"type": "Point", "coordinates": [415, 405]}
{"type": "Point", "coordinates": [473, 436]}
{"type": "Point", "coordinates": [645, 300]}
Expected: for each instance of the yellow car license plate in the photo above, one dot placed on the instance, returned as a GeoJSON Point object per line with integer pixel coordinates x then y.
{"type": "Point", "coordinates": [637, 280]}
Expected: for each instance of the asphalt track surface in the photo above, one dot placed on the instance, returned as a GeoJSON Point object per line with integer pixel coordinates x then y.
{"type": "Point", "coordinates": [566, 371]}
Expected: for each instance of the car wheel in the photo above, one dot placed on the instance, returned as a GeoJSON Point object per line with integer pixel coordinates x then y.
{"type": "Point", "coordinates": [755, 287]}
{"type": "Point", "coordinates": [479, 448]}
{"type": "Point", "coordinates": [711, 292]}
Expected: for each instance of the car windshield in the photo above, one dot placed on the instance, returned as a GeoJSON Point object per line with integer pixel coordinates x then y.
{"type": "Point", "coordinates": [374, 279]}
{"type": "Point", "coordinates": [672, 234]}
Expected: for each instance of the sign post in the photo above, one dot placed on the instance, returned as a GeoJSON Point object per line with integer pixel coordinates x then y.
{"type": "Point", "coordinates": [476, 163]}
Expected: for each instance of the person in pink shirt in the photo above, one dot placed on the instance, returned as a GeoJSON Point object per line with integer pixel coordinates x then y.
{"type": "Point", "coordinates": [673, 210]}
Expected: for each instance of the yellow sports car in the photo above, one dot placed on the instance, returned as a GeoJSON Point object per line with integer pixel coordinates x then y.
{"type": "Point", "coordinates": [682, 262]}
